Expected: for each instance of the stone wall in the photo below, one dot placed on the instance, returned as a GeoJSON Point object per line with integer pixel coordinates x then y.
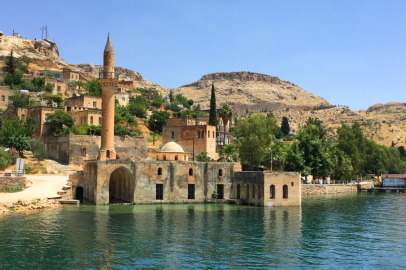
{"type": "Point", "coordinates": [327, 189]}
{"type": "Point", "coordinates": [136, 182]}
{"type": "Point", "coordinates": [74, 149]}
{"type": "Point", "coordinates": [11, 180]}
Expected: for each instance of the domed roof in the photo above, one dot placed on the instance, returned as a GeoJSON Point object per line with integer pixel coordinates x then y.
{"type": "Point", "coordinates": [172, 147]}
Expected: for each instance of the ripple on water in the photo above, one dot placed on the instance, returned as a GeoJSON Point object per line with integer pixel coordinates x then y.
{"type": "Point", "coordinates": [346, 231]}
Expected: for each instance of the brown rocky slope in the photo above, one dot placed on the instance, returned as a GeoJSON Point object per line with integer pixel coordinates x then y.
{"type": "Point", "coordinates": [250, 90]}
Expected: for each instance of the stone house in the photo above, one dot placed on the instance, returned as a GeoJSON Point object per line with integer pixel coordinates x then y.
{"type": "Point", "coordinates": [83, 102]}
{"type": "Point", "coordinates": [4, 94]}
{"type": "Point", "coordinates": [197, 138]}
{"type": "Point", "coordinates": [123, 98]}
{"type": "Point", "coordinates": [91, 117]}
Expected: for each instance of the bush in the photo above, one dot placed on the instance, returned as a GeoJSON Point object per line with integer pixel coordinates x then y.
{"type": "Point", "coordinates": [14, 154]}
{"type": "Point", "coordinates": [39, 150]}
{"type": "Point", "coordinates": [12, 188]}
{"type": "Point", "coordinates": [203, 157]}
{"type": "Point", "coordinates": [5, 159]}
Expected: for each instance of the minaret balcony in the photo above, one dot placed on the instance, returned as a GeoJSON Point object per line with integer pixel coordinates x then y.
{"type": "Point", "coordinates": [108, 75]}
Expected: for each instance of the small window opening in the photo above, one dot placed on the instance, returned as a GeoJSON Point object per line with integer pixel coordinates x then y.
{"type": "Point", "coordinates": [159, 171]}
{"type": "Point", "coordinates": [238, 191]}
{"type": "Point", "coordinates": [253, 191]}
{"type": "Point", "coordinates": [248, 191]}
{"type": "Point", "coordinates": [176, 157]}
{"type": "Point", "coordinates": [173, 134]}
{"type": "Point", "coordinates": [220, 172]}
{"type": "Point", "coordinates": [292, 184]}
{"type": "Point", "coordinates": [198, 134]}
{"type": "Point", "coordinates": [84, 151]}
{"type": "Point", "coordinates": [191, 172]}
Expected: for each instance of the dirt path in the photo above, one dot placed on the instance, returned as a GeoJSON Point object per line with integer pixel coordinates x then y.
{"type": "Point", "coordinates": [42, 187]}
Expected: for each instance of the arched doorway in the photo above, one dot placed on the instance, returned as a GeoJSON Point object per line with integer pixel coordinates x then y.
{"type": "Point", "coordinates": [238, 191]}
{"type": "Point", "coordinates": [79, 193]}
{"type": "Point", "coordinates": [272, 192]}
{"type": "Point", "coordinates": [120, 186]}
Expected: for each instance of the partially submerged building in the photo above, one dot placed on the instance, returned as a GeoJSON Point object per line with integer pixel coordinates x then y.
{"type": "Point", "coordinates": [172, 178]}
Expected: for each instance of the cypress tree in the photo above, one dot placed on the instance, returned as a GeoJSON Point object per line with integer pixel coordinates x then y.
{"type": "Point", "coordinates": [213, 114]}
{"type": "Point", "coordinates": [285, 125]}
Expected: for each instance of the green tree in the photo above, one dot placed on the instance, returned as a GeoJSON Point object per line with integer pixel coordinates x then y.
{"type": "Point", "coordinates": [20, 143]}
{"type": "Point", "coordinates": [60, 122]}
{"type": "Point", "coordinates": [136, 109]}
{"type": "Point", "coordinates": [49, 74]}
{"type": "Point", "coordinates": [203, 157]}
{"type": "Point", "coordinates": [16, 127]}
{"type": "Point", "coordinates": [402, 151]}
{"type": "Point", "coordinates": [21, 100]}
{"type": "Point", "coordinates": [226, 114]}
{"type": "Point", "coordinates": [277, 160]}
{"type": "Point", "coordinates": [158, 120]}
{"type": "Point", "coordinates": [13, 79]}
{"type": "Point", "coordinates": [294, 160]}
{"type": "Point", "coordinates": [120, 130]}
{"type": "Point", "coordinates": [80, 85]}
{"type": "Point", "coordinates": [49, 87]}
{"type": "Point", "coordinates": [39, 150]}
{"type": "Point", "coordinates": [285, 126]}
{"type": "Point", "coordinates": [229, 153]}
{"type": "Point", "coordinates": [93, 88]}
{"type": "Point", "coordinates": [11, 64]}
{"type": "Point", "coordinates": [171, 96]}
{"type": "Point", "coordinates": [213, 112]}
{"type": "Point", "coordinates": [38, 82]}
{"type": "Point", "coordinates": [257, 133]}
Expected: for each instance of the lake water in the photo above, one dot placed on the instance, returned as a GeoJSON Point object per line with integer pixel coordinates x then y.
{"type": "Point", "coordinates": [339, 232]}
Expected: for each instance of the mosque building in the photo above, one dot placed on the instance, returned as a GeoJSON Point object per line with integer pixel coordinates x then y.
{"type": "Point", "coordinates": [172, 178]}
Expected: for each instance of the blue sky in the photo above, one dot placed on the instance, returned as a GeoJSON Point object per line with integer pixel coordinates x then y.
{"type": "Point", "coordinates": [348, 52]}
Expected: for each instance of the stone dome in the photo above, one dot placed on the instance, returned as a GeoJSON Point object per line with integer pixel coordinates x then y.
{"type": "Point", "coordinates": [172, 147]}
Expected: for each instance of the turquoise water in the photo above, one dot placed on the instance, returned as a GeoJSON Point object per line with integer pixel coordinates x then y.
{"type": "Point", "coordinates": [337, 232]}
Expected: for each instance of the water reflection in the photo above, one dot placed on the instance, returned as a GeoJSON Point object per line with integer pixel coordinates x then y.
{"type": "Point", "coordinates": [326, 232]}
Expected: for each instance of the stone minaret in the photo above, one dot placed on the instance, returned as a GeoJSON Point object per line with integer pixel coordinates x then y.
{"type": "Point", "coordinates": [108, 83]}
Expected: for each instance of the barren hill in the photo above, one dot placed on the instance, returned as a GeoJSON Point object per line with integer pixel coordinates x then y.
{"type": "Point", "coordinates": [125, 74]}
{"type": "Point", "coordinates": [250, 90]}
{"type": "Point", "coordinates": [384, 123]}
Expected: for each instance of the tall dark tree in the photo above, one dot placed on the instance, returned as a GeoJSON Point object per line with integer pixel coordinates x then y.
{"type": "Point", "coordinates": [171, 96]}
{"type": "Point", "coordinates": [285, 126]}
{"type": "Point", "coordinates": [11, 64]}
{"type": "Point", "coordinates": [213, 114]}
{"type": "Point", "coordinates": [402, 151]}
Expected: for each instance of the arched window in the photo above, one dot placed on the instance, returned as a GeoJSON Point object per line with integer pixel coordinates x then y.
{"type": "Point", "coordinates": [253, 191]}
{"type": "Point", "coordinates": [23, 117]}
{"type": "Point", "coordinates": [3, 98]}
{"type": "Point", "coordinates": [164, 157]}
{"type": "Point", "coordinates": [198, 133]}
{"type": "Point", "coordinates": [191, 172]}
{"type": "Point", "coordinates": [202, 134]}
{"type": "Point", "coordinates": [285, 191]}
{"type": "Point", "coordinates": [220, 172]}
{"type": "Point", "coordinates": [248, 191]}
{"type": "Point", "coordinates": [91, 120]}
{"type": "Point", "coordinates": [159, 171]}
{"type": "Point", "coordinates": [238, 191]}
{"type": "Point", "coordinates": [99, 120]}
{"type": "Point", "coordinates": [176, 157]}
{"type": "Point", "coordinates": [213, 135]}
{"type": "Point", "coordinates": [173, 134]}
{"type": "Point", "coordinates": [272, 192]}
{"type": "Point", "coordinates": [184, 157]}
{"type": "Point", "coordinates": [208, 134]}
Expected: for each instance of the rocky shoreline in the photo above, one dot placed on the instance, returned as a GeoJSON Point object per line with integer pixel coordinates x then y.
{"type": "Point", "coordinates": [29, 205]}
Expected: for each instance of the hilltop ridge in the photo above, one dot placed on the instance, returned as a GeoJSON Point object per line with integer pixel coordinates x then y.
{"type": "Point", "coordinates": [249, 90]}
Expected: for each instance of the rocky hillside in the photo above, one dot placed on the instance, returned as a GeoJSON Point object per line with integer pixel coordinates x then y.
{"type": "Point", "coordinates": [44, 52]}
{"type": "Point", "coordinates": [250, 90]}
{"type": "Point", "coordinates": [125, 74]}
{"type": "Point", "coordinates": [384, 123]}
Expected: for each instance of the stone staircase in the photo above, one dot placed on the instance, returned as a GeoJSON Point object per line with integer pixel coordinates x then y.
{"type": "Point", "coordinates": [64, 168]}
